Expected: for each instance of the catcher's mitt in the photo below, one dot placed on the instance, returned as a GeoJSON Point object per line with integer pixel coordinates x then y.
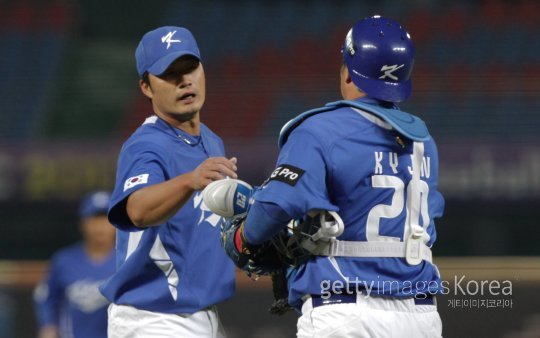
{"type": "Point", "coordinates": [255, 260]}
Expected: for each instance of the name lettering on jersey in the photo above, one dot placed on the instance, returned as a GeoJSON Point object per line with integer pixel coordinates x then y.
{"type": "Point", "coordinates": [287, 174]}
{"type": "Point", "coordinates": [425, 170]}
{"type": "Point", "coordinates": [392, 159]}
{"type": "Point", "coordinates": [378, 166]}
{"type": "Point", "coordinates": [135, 180]}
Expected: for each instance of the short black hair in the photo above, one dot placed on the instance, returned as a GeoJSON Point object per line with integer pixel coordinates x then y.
{"type": "Point", "coordinates": [145, 78]}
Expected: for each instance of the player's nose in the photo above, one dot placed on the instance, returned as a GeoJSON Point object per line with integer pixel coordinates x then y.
{"type": "Point", "coordinates": [184, 81]}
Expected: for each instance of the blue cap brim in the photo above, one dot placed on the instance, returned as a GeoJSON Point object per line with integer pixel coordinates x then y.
{"type": "Point", "coordinates": [386, 91]}
{"type": "Point", "coordinates": [161, 65]}
{"type": "Point", "coordinates": [94, 204]}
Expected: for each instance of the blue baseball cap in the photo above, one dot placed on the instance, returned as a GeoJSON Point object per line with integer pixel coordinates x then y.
{"type": "Point", "coordinates": [95, 203]}
{"type": "Point", "coordinates": [162, 46]}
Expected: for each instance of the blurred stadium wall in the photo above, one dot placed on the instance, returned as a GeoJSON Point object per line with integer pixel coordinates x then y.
{"type": "Point", "coordinates": [69, 97]}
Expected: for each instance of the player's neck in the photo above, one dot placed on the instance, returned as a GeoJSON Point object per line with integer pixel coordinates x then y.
{"type": "Point", "coordinates": [187, 123]}
{"type": "Point", "coordinates": [98, 251]}
{"type": "Point", "coordinates": [352, 93]}
{"type": "Point", "coordinates": [192, 127]}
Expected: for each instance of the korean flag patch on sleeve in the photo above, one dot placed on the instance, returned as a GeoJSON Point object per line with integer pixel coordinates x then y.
{"type": "Point", "coordinates": [287, 174]}
{"type": "Point", "coordinates": [135, 180]}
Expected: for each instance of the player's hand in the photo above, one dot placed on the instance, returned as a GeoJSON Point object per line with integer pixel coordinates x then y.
{"type": "Point", "coordinates": [213, 169]}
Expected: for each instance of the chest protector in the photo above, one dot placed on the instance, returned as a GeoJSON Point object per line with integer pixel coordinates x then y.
{"type": "Point", "coordinates": [406, 124]}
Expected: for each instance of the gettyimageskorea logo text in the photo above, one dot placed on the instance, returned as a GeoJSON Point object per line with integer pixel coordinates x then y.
{"type": "Point", "coordinates": [459, 291]}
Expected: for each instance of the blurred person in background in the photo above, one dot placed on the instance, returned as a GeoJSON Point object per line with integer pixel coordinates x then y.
{"type": "Point", "coordinates": [68, 302]}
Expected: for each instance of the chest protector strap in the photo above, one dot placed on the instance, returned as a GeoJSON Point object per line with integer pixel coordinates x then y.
{"type": "Point", "coordinates": [330, 226]}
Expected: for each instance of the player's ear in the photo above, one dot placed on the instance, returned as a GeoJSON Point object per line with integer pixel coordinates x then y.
{"type": "Point", "coordinates": [347, 87]}
{"type": "Point", "coordinates": [344, 74]}
{"type": "Point", "coordinates": [145, 88]}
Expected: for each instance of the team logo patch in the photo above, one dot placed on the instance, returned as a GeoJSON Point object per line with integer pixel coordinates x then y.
{"type": "Point", "coordinates": [287, 174]}
{"type": "Point", "coordinates": [135, 180]}
{"type": "Point", "coordinates": [169, 39]}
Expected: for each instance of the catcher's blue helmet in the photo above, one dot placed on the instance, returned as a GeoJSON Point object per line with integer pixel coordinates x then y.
{"type": "Point", "coordinates": [379, 55]}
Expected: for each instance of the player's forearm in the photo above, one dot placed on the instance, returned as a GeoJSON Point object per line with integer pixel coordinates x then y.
{"type": "Point", "coordinates": [155, 204]}
{"type": "Point", "coordinates": [264, 221]}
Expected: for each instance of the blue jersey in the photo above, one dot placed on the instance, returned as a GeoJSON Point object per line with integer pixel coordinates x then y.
{"type": "Point", "coordinates": [178, 266]}
{"type": "Point", "coordinates": [350, 161]}
{"type": "Point", "coordinates": [69, 297]}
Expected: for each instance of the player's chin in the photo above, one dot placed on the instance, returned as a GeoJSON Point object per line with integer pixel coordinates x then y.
{"type": "Point", "coordinates": [189, 106]}
{"type": "Point", "coordinates": [186, 115]}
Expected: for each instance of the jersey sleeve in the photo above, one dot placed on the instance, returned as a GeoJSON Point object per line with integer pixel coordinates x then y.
{"type": "Point", "coordinates": [264, 221]}
{"type": "Point", "coordinates": [48, 296]}
{"type": "Point", "coordinates": [140, 165]}
{"type": "Point", "coordinates": [298, 184]}
{"type": "Point", "coordinates": [436, 202]}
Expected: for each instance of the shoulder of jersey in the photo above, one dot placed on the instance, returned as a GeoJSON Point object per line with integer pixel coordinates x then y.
{"type": "Point", "coordinates": [332, 122]}
{"type": "Point", "coordinates": [69, 251]}
{"type": "Point", "coordinates": [147, 133]}
{"type": "Point", "coordinates": [208, 132]}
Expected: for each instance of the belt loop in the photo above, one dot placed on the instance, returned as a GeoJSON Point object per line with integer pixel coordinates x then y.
{"type": "Point", "coordinates": [429, 300]}
{"type": "Point", "coordinates": [307, 306]}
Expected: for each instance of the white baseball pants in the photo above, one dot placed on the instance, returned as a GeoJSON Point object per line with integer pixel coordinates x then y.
{"type": "Point", "coordinates": [129, 322]}
{"type": "Point", "coordinates": [375, 317]}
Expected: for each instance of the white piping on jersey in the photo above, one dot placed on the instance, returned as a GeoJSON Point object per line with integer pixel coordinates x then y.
{"type": "Point", "coordinates": [66, 324]}
{"type": "Point", "coordinates": [162, 259]}
{"type": "Point", "coordinates": [152, 119]}
{"type": "Point", "coordinates": [415, 238]}
{"type": "Point", "coordinates": [133, 242]}
{"type": "Point", "coordinates": [213, 219]}
{"type": "Point", "coordinates": [414, 200]}
{"type": "Point", "coordinates": [336, 266]}
{"type": "Point", "coordinates": [374, 119]}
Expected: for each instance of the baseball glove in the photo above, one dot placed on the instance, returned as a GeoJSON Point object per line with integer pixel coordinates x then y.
{"type": "Point", "coordinates": [255, 260]}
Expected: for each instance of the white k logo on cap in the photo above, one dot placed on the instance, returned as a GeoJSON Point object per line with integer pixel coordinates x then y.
{"type": "Point", "coordinates": [168, 39]}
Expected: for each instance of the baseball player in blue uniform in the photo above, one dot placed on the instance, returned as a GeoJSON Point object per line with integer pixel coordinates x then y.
{"type": "Point", "coordinates": [68, 301]}
{"type": "Point", "coordinates": [365, 174]}
{"type": "Point", "coordinates": [171, 270]}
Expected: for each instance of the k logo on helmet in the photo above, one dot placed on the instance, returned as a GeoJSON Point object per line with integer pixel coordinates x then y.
{"type": "Point", "coordinates": [388, 70]}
